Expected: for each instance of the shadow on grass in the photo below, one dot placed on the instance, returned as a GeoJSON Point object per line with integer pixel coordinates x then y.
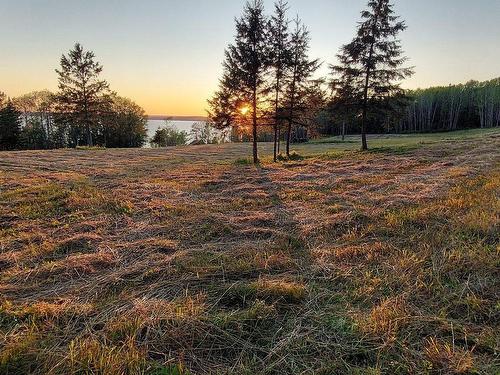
{"type": "Point", "coordinates": [395, 150]}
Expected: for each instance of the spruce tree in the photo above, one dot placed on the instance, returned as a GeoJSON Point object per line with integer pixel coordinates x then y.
{"type": "Point", "coordinates": [370, 67]}
{"type": "Point", "coordinates": [246, 64]}
{"type": "Point", "coordinates": [82, 94]}
{"type": "Point", "coordinates": [280, 57]}
{"type": "Point", "coordinates": [10, 127]}
{"type": "Point", "coordinates": [302, 69]}
{"type": "Point", "coordinates": [224, 104]}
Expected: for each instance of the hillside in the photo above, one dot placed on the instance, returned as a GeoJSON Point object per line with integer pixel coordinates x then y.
{"type": "Point", "coordinates": [192, 260]}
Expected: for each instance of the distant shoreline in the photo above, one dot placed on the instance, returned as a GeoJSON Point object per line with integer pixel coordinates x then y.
{"type": "Point", "coordinates": [177, 118]}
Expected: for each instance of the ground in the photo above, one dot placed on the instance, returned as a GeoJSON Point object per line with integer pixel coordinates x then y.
{"type": "Point", "coordinates": [191, 260]}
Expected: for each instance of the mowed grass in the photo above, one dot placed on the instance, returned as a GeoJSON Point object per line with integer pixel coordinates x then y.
{"type": "Point", "coordinates": [193, 261]}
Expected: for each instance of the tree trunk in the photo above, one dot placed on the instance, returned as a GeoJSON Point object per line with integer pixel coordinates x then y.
{"type": "Point", "coordinates": [364, 145]}
{"type": "Point", "coordinates": [343, 131]}
{"type": "Point", "coordinates": [276, 134]}
{"type": "Point", "coordinates": [254, 120]}
{"type": "Point", "coordinates": [288, 137]}
{"type": "Point", "coordinates": [90, 141]}
{"type": "Point", "coordinates": [275, 142]}
{"type": "Point", "coordinates": [276, 107]}
{"type": "Point", "coordinates": [279, 141]}
{"type": "Point", "coordinates": [290, 119]}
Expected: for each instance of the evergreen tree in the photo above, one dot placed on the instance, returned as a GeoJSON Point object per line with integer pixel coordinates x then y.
{"type": "Point", "coordinates": [10, 127]}
{"type": "Point", "coordinates": [225, 103]}
{"type": "Point", "coordinates": [82, 93]}
{"type": "Point", "coordinates": [346, 99]}
{"type": "Point", "coordinates": [370, 67]}
{"type": "Point", "coordinates": [302, 68]}
{"type": "Point", "coordinates": [246, 65]}
{"type": "Point", "coordinates": [280, 55]}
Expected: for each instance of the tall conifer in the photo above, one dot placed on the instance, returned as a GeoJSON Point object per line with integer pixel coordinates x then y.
{"type": "Point", "coordinates": [370, 66]}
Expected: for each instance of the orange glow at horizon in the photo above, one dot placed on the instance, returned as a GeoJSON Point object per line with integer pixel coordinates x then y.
{"type": "Point", "coordinates": [244, 110]}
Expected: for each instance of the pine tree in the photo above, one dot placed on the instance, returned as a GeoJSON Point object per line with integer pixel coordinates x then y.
{"type": "Point", "coordinates": [346, 100]}
{"type": "Point", "coordinates": [246, 65]}
{"type": "Point", "coordinates": [82, 94]}
{"type": "Point", "coordinates": [280, 55]}
{"type": "Point", "coordinates": [10, 127]}
{"type": "Point", "coordinates": [370, 66]}
{"type": "Point", "coordinates": [224, 104]}
{"type": "Point", "coordinates": [302, 68]}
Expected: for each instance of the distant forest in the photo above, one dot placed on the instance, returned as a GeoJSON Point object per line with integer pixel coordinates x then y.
{"type": "Point", "coordinates": [435, 109]}
{"type": "Point", "coordinates": [473, 105]}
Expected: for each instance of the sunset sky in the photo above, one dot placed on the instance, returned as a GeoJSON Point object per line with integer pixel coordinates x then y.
{"type": "Point", "coordinates": [166, 55]}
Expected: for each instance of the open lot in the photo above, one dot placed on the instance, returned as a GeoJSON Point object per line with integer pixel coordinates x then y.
{"type": "Point", "coordinates": [192, 260]}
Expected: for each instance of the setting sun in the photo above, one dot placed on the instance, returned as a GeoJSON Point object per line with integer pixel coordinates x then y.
{"type": "Point", "coordinates": [244, 110]}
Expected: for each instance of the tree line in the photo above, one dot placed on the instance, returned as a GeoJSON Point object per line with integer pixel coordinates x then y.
{"type": "Point", "coordinates": [471, 105]}
{"type": "Point", "coordinates": [269, 91]}
{"type": "Point", "coordinates": [84, 111]}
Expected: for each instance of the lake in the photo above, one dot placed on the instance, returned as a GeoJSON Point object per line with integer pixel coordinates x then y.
{"type": "Point", "coordinates": [182, 125]}
{"type": "Point", "coordinates": [153, 125]}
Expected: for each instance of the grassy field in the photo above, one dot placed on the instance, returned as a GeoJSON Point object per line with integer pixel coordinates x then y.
{"type": "Point", "coordinates": [193, 261]}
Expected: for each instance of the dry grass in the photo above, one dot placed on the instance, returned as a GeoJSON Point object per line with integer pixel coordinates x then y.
{"type": "Point", "coordinates": [191, 260]}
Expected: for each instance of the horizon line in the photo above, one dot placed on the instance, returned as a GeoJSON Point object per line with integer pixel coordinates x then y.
{"type": "Point", "coordinates": [177, 118]}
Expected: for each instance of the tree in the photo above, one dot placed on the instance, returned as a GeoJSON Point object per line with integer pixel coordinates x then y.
{"type": "Point", "coordinates": [205, 133]}
{"type": "Point", "coordinates": [225, 105]}
{"type": "Point", "coordinates": [3, 99]}
{"type": "Point", "coordinates": [10, 127]}
{"type": "Point", "coordinates": [245, 67]}
{"type": "Point", "coordinates": [33, 136]}
{"type": "Point", "coordinates": [124, 124]}
{"type": "Point", "coordinates": [346, 99]}
{"type": "Point", "coordinates": [37, 113]}
{"type": "Point", "coordinates": [372, 61]}
{"type": "Point", "coordinates": [471, 105]}
{"type": "Point", "coordinates": [313, 103]}
{"type": "Point", "coordinates": [487, 100]}
{"type": "Point", "coordinates": [280, 57]}
{"type": "Point", "coordinates": [169, 136]}
{"type": "Point", "coordinates": [82, 94]}
{"type": "Point", "coordinates": [302, 68]}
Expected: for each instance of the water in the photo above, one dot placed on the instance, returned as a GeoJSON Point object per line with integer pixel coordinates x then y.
{"type": "Point", "coordinates": [182, 125]}
{"type": "Point", "coordinates": [153, 125]}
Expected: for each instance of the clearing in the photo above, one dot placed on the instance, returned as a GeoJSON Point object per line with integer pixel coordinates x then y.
{"type": "Point", "coordinates": [191, 260]}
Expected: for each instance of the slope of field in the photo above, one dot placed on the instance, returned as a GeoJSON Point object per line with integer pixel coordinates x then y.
{"type": "Point", "coordinates": [191, 260]}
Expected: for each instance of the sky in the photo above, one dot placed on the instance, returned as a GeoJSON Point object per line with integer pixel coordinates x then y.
{"type": "Point", "coordinates": [166, 55]}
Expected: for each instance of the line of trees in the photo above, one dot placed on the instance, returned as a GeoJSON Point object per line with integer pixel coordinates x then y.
{"type": "Point", "coordinates": [472, 105]}
{"type": "Point", "coordinates": [267, 72]}
{"type": "Point", "coordinates": [269, 79]}
{"type": "Point", "coordinates": [84, 112]}
{"type": "Point", "coordinates": [269, 91]}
